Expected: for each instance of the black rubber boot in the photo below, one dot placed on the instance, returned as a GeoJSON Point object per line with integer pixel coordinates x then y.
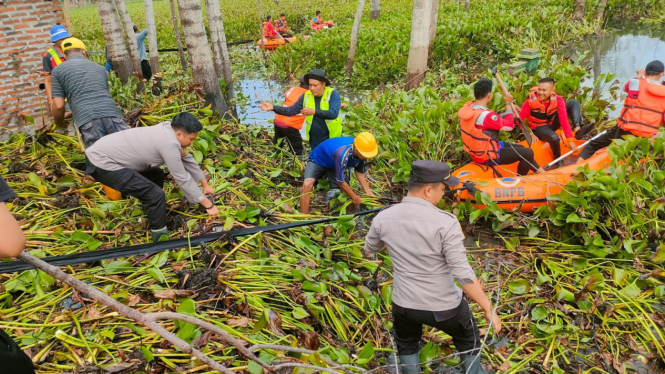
{"type": "Point", "coordinates": [409, 364]}
{"type": "Point", "coordinates": [159, 235]}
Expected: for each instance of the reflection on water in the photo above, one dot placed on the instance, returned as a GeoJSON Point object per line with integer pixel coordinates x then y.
{"type": "Point", "coordinates": [623, 51]}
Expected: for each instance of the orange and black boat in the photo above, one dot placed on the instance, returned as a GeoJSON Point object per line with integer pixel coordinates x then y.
{"type": "Point", "coordinates": [270, 44]}
{"type": "Point", "coordinates": [524, 192]}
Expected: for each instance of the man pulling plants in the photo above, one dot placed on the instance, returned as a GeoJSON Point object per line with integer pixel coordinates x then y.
{"type": "Point", "coordinates": [480, 131]}
{"type": "Point", "coordinates": [428, 255]}
{"type": "Point", "coordinates": [288, 128]}
{"type": "Point", "coordinates": [85, 85]}
{"type": "Point", "coordinates": [547, 112]}
{"type": "Point", "coordinates": [130, 161]}
{"type": "Point", "coordinates": [643, 110]}
{"type": "Point", "coordinates": [320, 106]}
{"type": "Point", "coordinates": [332, 158]}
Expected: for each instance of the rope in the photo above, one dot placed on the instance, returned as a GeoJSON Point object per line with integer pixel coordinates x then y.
{"type": "Point", "coordinates": [141, 249]}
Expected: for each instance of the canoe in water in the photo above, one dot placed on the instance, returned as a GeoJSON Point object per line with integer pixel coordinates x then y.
{"type": "Point", "coordinates": [526, 192]}
{"type": "Point", "coordinates": [270, 44]}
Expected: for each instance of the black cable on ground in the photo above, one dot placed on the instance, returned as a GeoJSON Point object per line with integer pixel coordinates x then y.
{"type": "Point", "coordinates": [142, 249]}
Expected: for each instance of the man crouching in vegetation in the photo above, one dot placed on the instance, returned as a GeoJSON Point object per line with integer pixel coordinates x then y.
{"type": "Point", "coordinates": [129, 161]}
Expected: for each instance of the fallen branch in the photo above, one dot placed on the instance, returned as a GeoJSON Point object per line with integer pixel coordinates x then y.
{"type": "Point", "coordinates": [150, 320]}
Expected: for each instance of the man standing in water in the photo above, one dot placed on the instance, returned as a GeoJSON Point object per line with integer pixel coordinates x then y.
{"type": "Point", "coordinates": [426, 248]}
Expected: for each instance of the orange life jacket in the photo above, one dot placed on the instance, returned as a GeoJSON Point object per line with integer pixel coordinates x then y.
{"type": "Point", "coordinates": [267, 32]}
{"type": "Point", "coordinates": [292, 96]}
{"type": "Point", "coordinates": [642, 116]}
{"type": "Point", "coordinates": [281, 26]}
{"type": "Point", "coordinates": [539, 115]}
{"type": "Point", "coordinates": [479, 145]}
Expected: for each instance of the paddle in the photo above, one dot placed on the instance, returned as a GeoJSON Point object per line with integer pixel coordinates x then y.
{"type": "Point", "coordinates": [571, 152]}
{"type": "Point", "coordinates": [516, 113]}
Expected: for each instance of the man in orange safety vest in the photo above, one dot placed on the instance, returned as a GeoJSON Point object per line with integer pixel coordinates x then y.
{"type": "Point", "coordinates": [288, 128]}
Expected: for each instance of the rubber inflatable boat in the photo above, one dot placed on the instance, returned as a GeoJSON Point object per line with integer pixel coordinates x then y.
{"type": "Point", "coordinates": [270, 44]}
{"type": "Point", "coordinates": [525, 192]}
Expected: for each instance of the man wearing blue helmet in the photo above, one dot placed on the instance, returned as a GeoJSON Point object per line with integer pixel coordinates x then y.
{"type": "Point", "coordinates": [52, 58]}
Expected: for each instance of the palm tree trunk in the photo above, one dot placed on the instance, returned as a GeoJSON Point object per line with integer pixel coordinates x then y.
{"type": "Point", "coordinates": [131, 37]}
{"type": "Point", "coordinates": [152, 43]}
{"type": "Point", "coordinates": [578, 11]}
{"type": "Point", "coordinates": [115, 43]}
{"type": "Point", "coordinates": [467, 4]}
{"type": "Point", "coordinates": [220, 50]}
{"type": "Point", "coordinates": [176, 30]}
{"type": "Point", "coordinates": [375, 9]}
{"type": "Point", "coordinates": [602, 6]}
{"type": "Point", "coordinates": [354, 37]}
{"type": "Point", "coordinates": [433, 23]}
{"type": "Point", "coordinates": [419, 45]}
{"type": "Point", "coordinates": [203, 70]}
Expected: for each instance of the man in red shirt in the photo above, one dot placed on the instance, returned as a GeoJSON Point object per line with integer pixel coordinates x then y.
{"type": "Point", "coordinates": [480, 131]}
{"type": "Point", "coordinates": [547, 112]}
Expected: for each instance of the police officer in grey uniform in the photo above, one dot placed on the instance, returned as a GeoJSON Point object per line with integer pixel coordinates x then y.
{"type": "Point", "coordinates": [428, 255]}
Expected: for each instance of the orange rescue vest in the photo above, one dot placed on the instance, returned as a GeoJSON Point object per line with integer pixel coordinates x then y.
{"type": "Point", "coordinates": [281, 26]}
{"type": "Point", "coordinates": [642, 116]}
{"type": "Point", "coordinates": [292, 96]}
{"type": "Point", "coordinates": [267, 32]}
{"type": "Point", "coordinates": [479, 145]}
{"type": "Point", "coordinates": [539, 115]}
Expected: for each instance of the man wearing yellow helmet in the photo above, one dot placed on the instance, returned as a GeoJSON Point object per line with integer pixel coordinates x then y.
{"type": "Point", "coordinates": [84, 84]}
{"type": "Point", "coordinates": [332, 158]}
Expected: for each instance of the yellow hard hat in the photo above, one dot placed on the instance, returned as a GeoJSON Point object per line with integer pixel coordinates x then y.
{"type": "Point", "coordinates": [72, 43]}
{"type": "Point", "coordinates": [365, 143]}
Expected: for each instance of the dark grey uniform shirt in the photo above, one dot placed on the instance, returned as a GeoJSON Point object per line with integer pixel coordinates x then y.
{"type": "Point", "coordinates": [427, 251]}
{"type": "Point", "coordinates": [84, 84]}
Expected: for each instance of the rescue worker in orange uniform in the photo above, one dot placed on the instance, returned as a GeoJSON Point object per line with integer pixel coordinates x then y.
{"type": "Point", "coordinates": [547, 112]}
{"type": "Point", "coordinates": [480, 130]}
{"type": "Point", "coordinates": [643, 110]}
{"type": "Point", "coordinates": [268, 29]}
{"type": "Point", "coordinates": [288, 128]}
{"type": "Point", "coordinates": [282, 27]}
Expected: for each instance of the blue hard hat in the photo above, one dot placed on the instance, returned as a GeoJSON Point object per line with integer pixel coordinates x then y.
{"type": "Point", "coordinates": [58, 32]}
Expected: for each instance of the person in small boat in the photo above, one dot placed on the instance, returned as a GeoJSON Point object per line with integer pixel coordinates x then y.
{"type": "Point", "coordinates": [548, 112]}
{"type": "Point", "coordinates": [643, 109]}
{"type": "Point", "coordinates": [480, 130]}
{"type": "Point", "coordinates": [317, 20]}
{"type": "Point", "coordinates": [268, 29]}
{"type": "Point", "coordinates": [282, 27]}
{"type": "Point", "coordinates": [288, 128]}
{"type": "Point", "coordinates": [332, 158]}
{"type": "Point", "coordinates": [432, 272]}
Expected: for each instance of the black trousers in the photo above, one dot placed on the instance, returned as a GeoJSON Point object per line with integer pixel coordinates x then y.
{"type": "Point", "coordinates": [12, 358]}
{"type": "Point", "coordinates": [146, 186]}
{"type": "Point", "coordinates": [459, 323]}
{"type": "Point", "coordinates": [603, 141]}
{"type": "Point", "coordinates": [511, 153]}
{"type": "Point", "coordinates": [292, 139]}
{"type": "Point", "coordinates": [146, 69]}
{"type": "Point", "coordinates": [547, 133]}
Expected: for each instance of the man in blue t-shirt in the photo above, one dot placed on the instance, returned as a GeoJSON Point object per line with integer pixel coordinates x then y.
{"type": "Point", "coordinates": [332, 158]}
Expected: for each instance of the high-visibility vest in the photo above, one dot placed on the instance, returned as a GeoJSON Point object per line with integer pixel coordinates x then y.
{"type": "Point", "coordinates": [643, 116]}
{"type": "Point", "coordinates": [292, 96]}
{"type": "Point", "coordinates": [540, 115]}
{"type": "Point", "coordinates": [334, 125]}
{"type": "Point", "coordinates": [479, 145]}
{"type": "Point", "coordinates": [54, 55]}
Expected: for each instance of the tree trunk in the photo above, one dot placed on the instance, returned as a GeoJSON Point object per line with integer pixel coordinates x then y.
{"type": "Point", "coordinates": [579, 12]}
{"type": "Point", "coordinates": [433, 23]}
{"type": "Point", "coordinates": [220, 50]}
{"type": "Point", "coordinates": [602, 5]}
{"type": "Point", "coordinates": [117, 48]}
{"type": "Point", "coordinates": [131, 37]}
{"type": "Point", "coordinates": [419, 45]}
{"type": "Point", "coordinates": [263, 50]}
{"type": "Point", "coordinates": [176, 30]}
{"type": "Point", "coordinates": [375, 9]}
{"type": "Point", "coordinates": [467, 4]}
{"type": "Point", "coordinates": [152, 42]}
{"type": "Point", "coordinates": [354, 37]}
{"type": "Point", "coordinates": [65, 10]}
{"type": "Point", "coordinates": [203, 70]}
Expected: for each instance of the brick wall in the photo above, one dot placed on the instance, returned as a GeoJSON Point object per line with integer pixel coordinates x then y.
{"type": "Point", "coordinates": [24, 38]}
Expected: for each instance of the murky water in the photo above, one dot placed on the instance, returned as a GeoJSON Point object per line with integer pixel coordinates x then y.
{"type": "Point", "coordinates": [622, 51]}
